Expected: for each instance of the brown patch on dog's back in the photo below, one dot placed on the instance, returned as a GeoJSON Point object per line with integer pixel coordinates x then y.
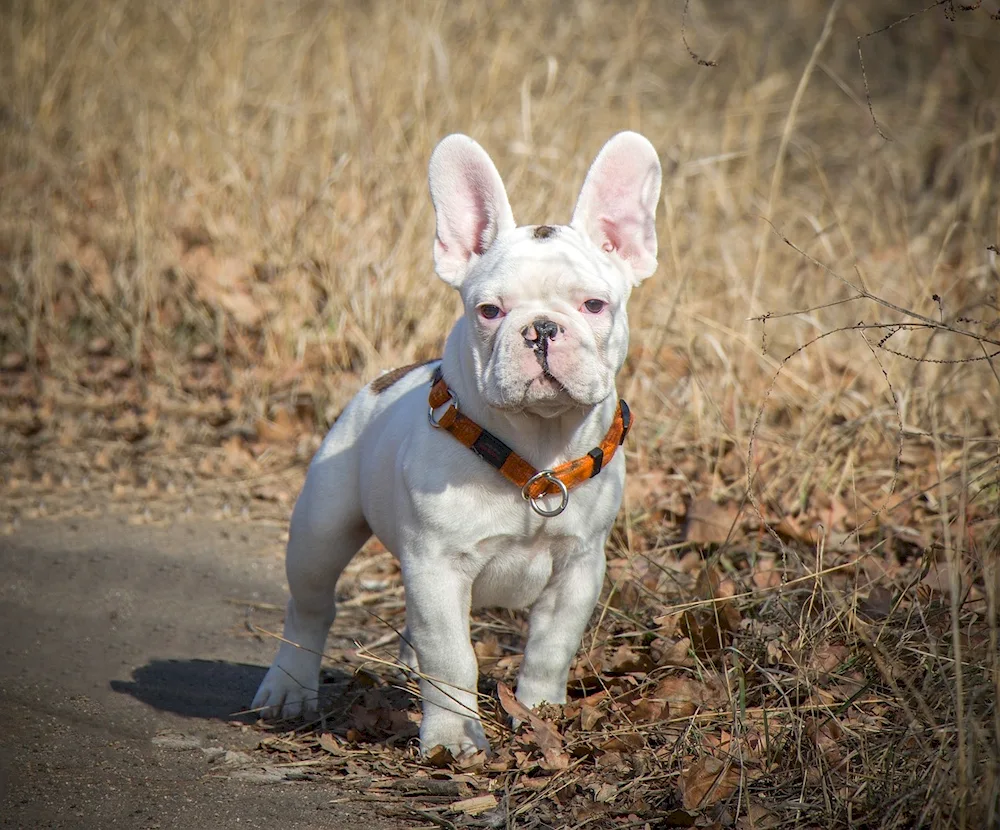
{"type": "Point", "coordinates": [544, 232]}
{"type": "Point", "coordinates": [383, 382]}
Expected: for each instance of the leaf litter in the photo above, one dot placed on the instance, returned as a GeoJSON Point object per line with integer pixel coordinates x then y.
{"type": "Point", "coordinates": [729, 673]}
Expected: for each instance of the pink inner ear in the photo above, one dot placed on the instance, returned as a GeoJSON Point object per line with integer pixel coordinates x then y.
{"type": "Point", "coordinates": [480, 222]}
{"type": "Point", "coordinates": [470, 205]}
{"type": "Point", "coordinates": [611, 234]}
{"type": "Point", "coordinates": [616, 189]}
{"type": "Point", "coordinates": [621, 236]}
{"type": "Point", "coordinates": [471, 217]}
{"type": "Point", "coordinates": [617, 205]}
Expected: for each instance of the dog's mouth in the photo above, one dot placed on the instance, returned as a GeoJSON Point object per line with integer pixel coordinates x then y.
{"type": "Point", "coordinates": [545, 392]}
{"type": "Point", "coordinates": [542, 394]}
{"type": "Point", "coordinates": [547, 380]}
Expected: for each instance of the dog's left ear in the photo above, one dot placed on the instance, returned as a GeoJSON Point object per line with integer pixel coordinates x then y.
{"type": "Point", "coordinates": [617, 205]}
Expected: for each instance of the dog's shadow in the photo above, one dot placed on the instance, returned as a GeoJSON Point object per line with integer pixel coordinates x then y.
{"type": "Point", "coordinates": [207, 689]}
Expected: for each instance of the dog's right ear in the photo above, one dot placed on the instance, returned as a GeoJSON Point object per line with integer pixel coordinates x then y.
{"type": "Point", "coordinates": [470, 205]}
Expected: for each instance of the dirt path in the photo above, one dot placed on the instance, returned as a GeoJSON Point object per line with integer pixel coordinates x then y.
{"type": "Point", "coordinates": [125, 653]}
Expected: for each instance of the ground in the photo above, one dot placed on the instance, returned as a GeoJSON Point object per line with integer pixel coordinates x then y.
{"type": "Point", "coordinates": [126, 662]}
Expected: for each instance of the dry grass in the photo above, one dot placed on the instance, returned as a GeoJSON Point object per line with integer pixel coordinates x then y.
{"type": "Point", "coordinates": [216, 214]}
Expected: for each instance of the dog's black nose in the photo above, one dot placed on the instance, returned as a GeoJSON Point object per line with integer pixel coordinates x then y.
{"type": "Point", "coordinates": [545, 329]}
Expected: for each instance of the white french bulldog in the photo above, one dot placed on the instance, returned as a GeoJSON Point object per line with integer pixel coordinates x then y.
{"type": "Point", "coordinates": [533, 362]}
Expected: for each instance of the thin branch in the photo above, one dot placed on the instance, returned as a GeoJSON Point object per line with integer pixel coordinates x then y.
{"type": "Point", "coordinates": [699, 60]}
{"type": "Point", "coordinates": [868, 295]}
{"type": "Point", "coordinates": [861, 57]}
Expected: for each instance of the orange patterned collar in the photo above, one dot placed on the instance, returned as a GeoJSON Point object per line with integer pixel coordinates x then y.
{"type": "Point", "coordinates": [533, 483]}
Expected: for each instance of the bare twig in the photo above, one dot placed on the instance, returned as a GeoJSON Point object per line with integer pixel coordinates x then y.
{"type": "Point", "coordinates": [696, 58]}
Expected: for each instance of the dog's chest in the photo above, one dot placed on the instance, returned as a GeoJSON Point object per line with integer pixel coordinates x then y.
{"type": "Point", "coordinates": [513, 570]}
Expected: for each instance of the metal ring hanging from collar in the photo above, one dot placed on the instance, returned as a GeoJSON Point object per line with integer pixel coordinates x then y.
{"type": "Point", "coordinates": [549, 476]}
{"type": "Point", "coordinates": [430, 410]}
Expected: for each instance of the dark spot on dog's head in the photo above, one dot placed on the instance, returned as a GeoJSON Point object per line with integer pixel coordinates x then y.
{"type": "Point", "coordinates": [544, 232]}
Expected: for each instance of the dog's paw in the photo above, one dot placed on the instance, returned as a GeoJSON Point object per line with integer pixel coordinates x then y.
{"type": "Point", "coordinates": [462, 737]}
{"type": "Point", "coordinates": [281, 697]}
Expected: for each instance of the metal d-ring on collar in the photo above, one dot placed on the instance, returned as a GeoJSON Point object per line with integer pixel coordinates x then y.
{"type": "Point", "coordinates": [430, 410]}
{"type": "Point", "coordinates": [550, 477]}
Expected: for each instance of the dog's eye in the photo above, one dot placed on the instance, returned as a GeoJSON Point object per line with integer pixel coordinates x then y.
{"type": "Point", "coordinates": [489, 311]}
{"type": "Point", "coordinates": [595, 306]}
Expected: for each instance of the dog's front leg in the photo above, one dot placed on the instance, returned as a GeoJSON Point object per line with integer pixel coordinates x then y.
{"type": "Point", "coordinates": [437, 619]}
{"type": "Point", "coordinates": [556, 625]}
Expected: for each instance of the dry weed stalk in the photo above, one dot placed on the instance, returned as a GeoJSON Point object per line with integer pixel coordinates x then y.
{"type": "Point", "coordinates": [924, 702]}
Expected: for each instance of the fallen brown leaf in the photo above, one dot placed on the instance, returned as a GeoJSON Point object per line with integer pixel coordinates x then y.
{"type": "Point", "coordinates": [758, 817]}
{"type": "Point", "coordinates": [236, 457]}
{"type": "Point", "coordinates": [604, 792]}
{"type": "Point", "coordinates": [709, 523]}
{"type": "Point", "coordinates": [624, 660]}
{"type": "Point", "coordinates": [685, 695]}
{"type": "Point", "coordinates": [668, 652]}
{"type": "Point", "coordinates": [706, 782]}
{"type": "Point", "coordinates": [329, 743]}
{"type": "Point", "coordinates": [590, 716]}
{"type": "Point", "coordinates": [541, 732]}
{"type": "Point", "coordinates": [511, 705]}
{"type": "Point", "coordinates": [439, 756]}
{"type": "Point", "coordinates": [554, 760]}
{"type": "Point", "coordinates": [649, 710]}
{"type": "Point", "coordinates": [626, 742]}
